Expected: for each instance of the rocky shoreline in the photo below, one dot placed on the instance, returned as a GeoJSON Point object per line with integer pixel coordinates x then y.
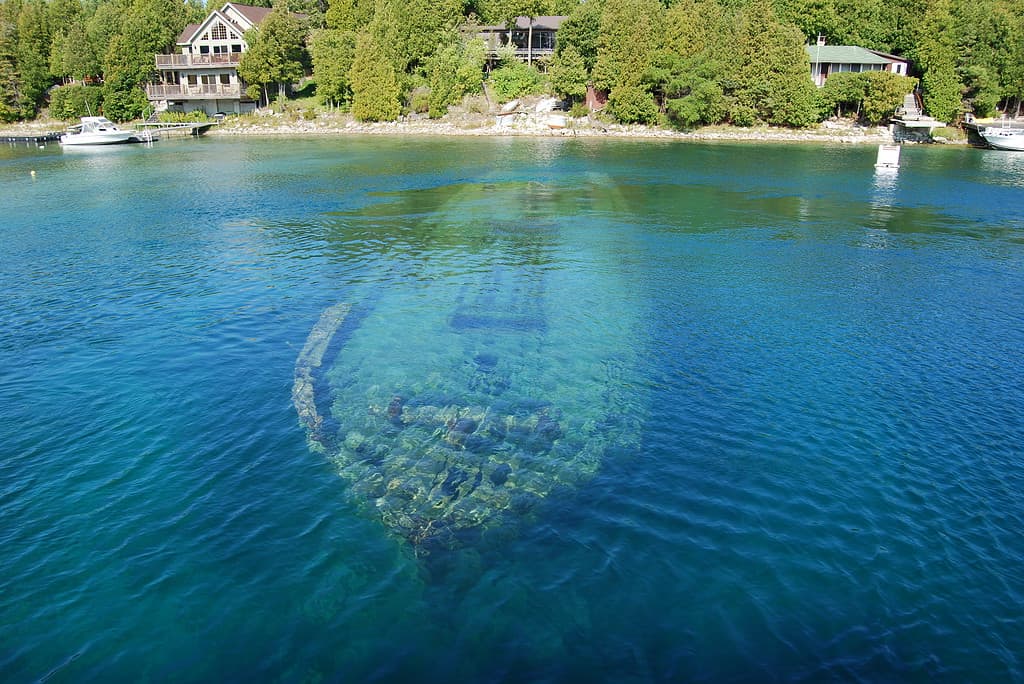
{"type": "Point", "coordinates": [537, 126]}
{"type": "Point", "coordinates": [523, 124]}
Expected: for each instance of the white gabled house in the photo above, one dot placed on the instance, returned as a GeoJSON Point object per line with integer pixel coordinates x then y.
{"type": "Point", "coordinates": [833, 59]}
{"type": "Point", "coordinates": [204, 73]}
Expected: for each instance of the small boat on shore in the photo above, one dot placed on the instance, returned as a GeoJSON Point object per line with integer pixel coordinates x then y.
{"type": "Point", "coordinates": [96, 130]}
{"type": "Point", "coordinates": [1004, 138]}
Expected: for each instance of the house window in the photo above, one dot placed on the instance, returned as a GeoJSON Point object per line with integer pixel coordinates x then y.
{"type": "Point", "coordinates": [233, 35]}
{"type": "Point", "coordinates": [225, 79]}
{"type": "Point", "coordinates": [219, 32]}
{"type": "Point", "coordinates": [236, 48]}
{"type": "Point", "coordinates": [192, 80]}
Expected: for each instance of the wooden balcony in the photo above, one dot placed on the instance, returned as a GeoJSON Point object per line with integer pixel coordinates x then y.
{"type": "Point", "coordinates": [193, 92]}
{"type": "Point", "coordinates": [197, 61]}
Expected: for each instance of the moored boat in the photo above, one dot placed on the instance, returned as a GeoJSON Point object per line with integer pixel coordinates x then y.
{"type": "Point", "coordinates": [1004, 138]}
{"type": "Point", "coordinates": [96, 130]}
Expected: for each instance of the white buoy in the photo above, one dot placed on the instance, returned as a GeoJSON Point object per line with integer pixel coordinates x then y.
{"type": "Point", "coordinates": [32, 173]}
{"type": "Point", "coordinates": [888, 157]}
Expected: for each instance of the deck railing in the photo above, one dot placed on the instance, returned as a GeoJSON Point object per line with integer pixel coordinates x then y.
{"type": "Point", "coordinates": [201, 91]}
{"type": "Point", "coordinates": [522, 53]}
{"type": "Point", "coordinates": [196, 61]}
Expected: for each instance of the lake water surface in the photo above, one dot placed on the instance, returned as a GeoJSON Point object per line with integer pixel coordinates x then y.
{"type": "Point", "coordinates": [572, 410]}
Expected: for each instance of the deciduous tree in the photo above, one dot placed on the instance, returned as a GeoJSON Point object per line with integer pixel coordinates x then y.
{"type": "Point", "coordinates": [276, 53]}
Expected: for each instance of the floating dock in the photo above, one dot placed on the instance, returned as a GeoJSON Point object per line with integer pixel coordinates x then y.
{"type": "Point", "coordinates": [37, 138]}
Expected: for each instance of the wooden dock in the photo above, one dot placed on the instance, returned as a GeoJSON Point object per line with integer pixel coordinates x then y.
{"type": "Point", "coordinates": [159, 128]}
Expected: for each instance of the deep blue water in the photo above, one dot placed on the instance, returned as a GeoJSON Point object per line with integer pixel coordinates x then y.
{"type": "Point", "coordinates": [760, 413]}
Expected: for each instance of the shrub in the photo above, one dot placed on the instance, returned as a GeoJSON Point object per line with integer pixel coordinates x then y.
{"type": "Point", "coordinates": [743, 115]}
{"type": "Point", "coordinates": [124, 105]}
{"type": "Point", "coordinates": [632, 104]}
{"type": "Point", "coordinates": [419, 101]}
{"type": "Point", "coordinates": [704, 104]}
{"type": "Point", "coordinates": [73, 101]}
{"type": "Point", "coordinates": [883, 93]}
{"type": "Point", "coordinates": [515, 80]}
{"type": "Point", "coordinates": [183, 117]}
{"type": "Point", "coordinates": [579, 110]}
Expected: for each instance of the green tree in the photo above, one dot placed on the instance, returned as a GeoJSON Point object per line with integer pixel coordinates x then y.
{"type": "Point", "coordinates": [333, 52]}
{"type": "Point", "coordinates": [349, 15]}
{"type": "Point", "coordinates": [376, 92]}
{"type": "Point", "coordinates": [149, 27]}
{"type": "Point", "coordinates": [410, 30]}
{"type": "Point", "coordinates": [276, 53]}
{"type": "Point", "coordinates": [843, 93]}
{"type": "Point", "coordinates": [935, 54]}
{"type": "Point", "coordinates": [454, 71]}
{"type": "Point", "coordinates": [69, 102]}
{"type": "Point", "coordinates": [631, 34]}
{"type": "Point", "coordinates": [771, 70]}
{"type": "Point", "coordinates": [123, 104]}
{"type": "Point", "coordinates": [10, 82]}
{"type": "Point", "coordinates": [883, 93]}
{"type": "Point", "coordinates": [703, 103]}
{"type": "Point", "coordinates": [515, 79]}
{"type": "Point", "coordinates": [568, 74]}
{"type": "Point", "coordinates": [33, 56]}
{"type": "Point", "coordinates": [580, 31]}
{"type": "Point", "coordinates": [632, 104]}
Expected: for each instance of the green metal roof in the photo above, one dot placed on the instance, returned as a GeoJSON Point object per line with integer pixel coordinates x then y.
{"type": "Point", "coordinates": [843, 54]}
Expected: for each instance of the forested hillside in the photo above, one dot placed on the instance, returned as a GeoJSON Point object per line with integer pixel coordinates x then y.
{"type": "Point", "coordinates": [684, 62]}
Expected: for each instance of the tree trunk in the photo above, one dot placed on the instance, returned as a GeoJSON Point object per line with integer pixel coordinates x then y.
{"type": "Point", "coordinates": [529, 42]}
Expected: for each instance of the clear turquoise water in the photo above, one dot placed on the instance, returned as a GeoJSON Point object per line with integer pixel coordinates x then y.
{"type": "Point", "coordinates": [790, 396]}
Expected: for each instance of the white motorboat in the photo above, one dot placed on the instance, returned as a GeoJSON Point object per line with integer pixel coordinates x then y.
{"type": "Point", "coordinates": [1004, 138]}
{"type": "Point", "coordinates": [96, 130]}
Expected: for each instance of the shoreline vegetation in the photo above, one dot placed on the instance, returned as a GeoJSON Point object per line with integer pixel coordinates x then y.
{"type": "Point", "coordinates": [529, 124]}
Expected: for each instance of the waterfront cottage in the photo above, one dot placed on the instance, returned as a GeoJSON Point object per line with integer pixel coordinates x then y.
{"type": "Point", "coordinates": [204, 73]}
{"type": "Point", "coordinates": [532, 37]}
{"type": "Point", "coordinates": [832, 59]}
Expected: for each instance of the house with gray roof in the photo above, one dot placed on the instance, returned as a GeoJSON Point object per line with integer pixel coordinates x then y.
{"type": "Point", "coordinates": [531, 37]}
{"type": "Point", "coordinates": [203, 74]}
{"type": "Point", "coordinates": [833, 59]}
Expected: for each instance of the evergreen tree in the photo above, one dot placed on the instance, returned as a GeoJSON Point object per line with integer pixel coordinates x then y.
{"type": "Point", "coordinates": [631, 33]}
{"type": "Point", "coordinates": [935, 54]}
{"type": "Point", "coordinates": [580, 31]}
{"type": "Point", "coordinates": [568, 74]}
{"type": "Point", "coordinates": [33, 55]}
{"type": "Point", "coordinates": [376, 93]}
{"type": "Point", "coordinates": [10, 82]}
{"type": "Point", "coordinates": [771, 71]}
{"type": "Point", "coordinates": [349, 15]}
{"type": "Point", "coordinates": [333, 52]}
